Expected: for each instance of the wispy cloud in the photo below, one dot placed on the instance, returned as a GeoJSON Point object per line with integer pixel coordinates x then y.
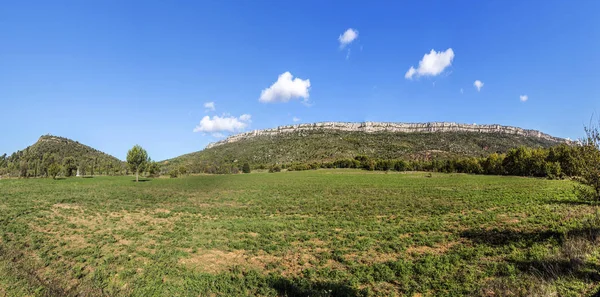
{"type": "Point", "coordinates": [209, 106]}
{"type": "Point", "coordinates": [478, 84]}
{"type": "Point", "coordinates": [295, 119]}
{"type": "Point", "coordinates": [524, 98]}
{"type": "Point", "coordinates": [347, 37]}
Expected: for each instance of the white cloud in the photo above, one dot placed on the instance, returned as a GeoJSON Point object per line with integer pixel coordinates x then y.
{"type": "Point", "coordinates": [462, 91]}
{"type": "Point", "coordinates": [225, 123]}
{"type": "Point", "coordinates": [432, 64]}
{"type": "Point", "coordinates": [295, 119]}
{"type": "Point", "coordinates": [478, 84]}
{"type": "Point", "coordinates": [285, 88]}
{"type": "Point", "coordinates": [210, 106]}
{"type": "Point", "coordinates": [348, 55]}
{"type": "Point", "coordinates": [218, 135]}
{"type": "Point", "coordinates": [347, 38]}
{"type": "Point", "coordinates": [524, 98]}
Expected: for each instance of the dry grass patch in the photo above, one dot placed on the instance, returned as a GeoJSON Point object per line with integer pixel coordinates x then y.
{"type": "Point", "coordinates": [215, 261]}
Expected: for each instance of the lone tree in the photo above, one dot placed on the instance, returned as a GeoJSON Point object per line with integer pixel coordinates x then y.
{"type": "Point", "coordinates": [590, 163]}
{"type": "Point", "coordinates": [137, 158]}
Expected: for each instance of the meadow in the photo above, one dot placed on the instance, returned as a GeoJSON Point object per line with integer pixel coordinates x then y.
{"type": "Point", "coordinates": [310, 233]}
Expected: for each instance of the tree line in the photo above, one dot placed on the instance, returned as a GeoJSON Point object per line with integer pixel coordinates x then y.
{"type": "Point", "coordinates": [554, 162]}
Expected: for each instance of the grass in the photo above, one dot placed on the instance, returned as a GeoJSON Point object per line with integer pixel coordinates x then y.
{"type": "Point", "coordinates": [317, 233]}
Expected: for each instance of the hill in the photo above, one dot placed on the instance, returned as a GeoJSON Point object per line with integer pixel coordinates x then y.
{"type": "Point", "coordinates": [58, 148]}
{"type": "Point", "coordinates": [323, 142]}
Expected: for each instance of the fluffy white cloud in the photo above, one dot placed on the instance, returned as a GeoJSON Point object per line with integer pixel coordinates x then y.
{"type": "Point", "coordinates": [347, 37]}
{"type": "Point", "coordinates": [524, 98]}
{"type": "Point", "coordinates": [285, 88]}
{"type": "Point", "coordinates": [432, 64]}
{"type": "Point", "coordinates": [295, 119]}
{"type": "Point", "coordinates": [478, 84]}
{"type": "Point", "coordinates": [210, 106]}
{"type": "Point", "coordinates": [225, 123]}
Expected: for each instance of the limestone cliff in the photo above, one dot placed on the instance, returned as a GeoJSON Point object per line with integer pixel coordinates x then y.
{"type": "Point", "coordinates": [371, 127]}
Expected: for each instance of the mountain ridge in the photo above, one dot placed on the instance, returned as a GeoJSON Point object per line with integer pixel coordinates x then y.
{"type": "Point", "coordinates": [331, 141]}
{"type": "Point", "coordinates": [372, 127]}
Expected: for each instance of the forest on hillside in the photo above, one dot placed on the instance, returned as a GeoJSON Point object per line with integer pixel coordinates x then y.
{"type": "Point", "coordinates": [66, 155]}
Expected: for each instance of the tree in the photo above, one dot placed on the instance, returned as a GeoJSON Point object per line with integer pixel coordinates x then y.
{"type": "Point", "coordinates": [53, 170]}
{"type": "Point", "coordinates": [83, 167]}
{"type": "Point", "coordinates": [47, 160]}
{"type": "Point", "coordinates": [182, 170]}
{"type": "Point", "coordinates": [137, 158]}
{"type": "Point", "coordinates": [153, 169]}
{"type": "Point", "coordinates": [69, 165]}
{"type": "Point", "coordinates": [493, 164]}
{"type": "Point", "coordinates": [590, 163]}
{"type": "Point", "coordinates": [246, 168]}
{"type": "Point", "coordinates": [23, 169]}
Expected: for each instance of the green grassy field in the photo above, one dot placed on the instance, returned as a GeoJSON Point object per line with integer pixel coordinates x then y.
{"type": "Point", "coordinates": [317, 233]}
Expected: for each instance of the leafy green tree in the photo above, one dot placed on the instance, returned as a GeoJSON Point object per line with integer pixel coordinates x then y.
{"type": "Point", "coordinates": [493, 164]}
{"type": "Point", "coordinates": [53, 170]}
{"type": "Point", "coordinates": [246, 168]}
{"type": "Point", "coordinates": [69, 165]}
{"type": "Point", "coordinates": [182, 170]}
{"type": "Point", "coordinates": [23, 168]}
{"type": "Point", "coordinates": [517, 161]}
{"type": "Point", "coordinates": [47, 160]}
{"type": "Point", "coordinates": [590, 163]}
{"type": "Point", "coordinates": [83, 165]}
{"type": "Point", "coordinates": [153, 169]}
{"type": "Point", "coordinates": [137, 159]}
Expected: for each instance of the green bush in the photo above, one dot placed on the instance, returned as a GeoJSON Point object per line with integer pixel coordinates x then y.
{"type": "Point", "coordinates": [246, 168]}
{"type": "Point", "coordinates": [174, 173]}
{"type": "Point", "coordinates": [275, 168]}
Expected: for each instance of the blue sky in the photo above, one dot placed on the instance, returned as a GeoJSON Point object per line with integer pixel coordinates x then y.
{"type": "Point", "coordinates": [112, 74]}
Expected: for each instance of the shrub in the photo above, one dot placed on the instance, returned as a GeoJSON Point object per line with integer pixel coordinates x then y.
{"type": "Point", "coordinates": [552, 170]}
{"type": "Point", "coordinates": [401, 165]}
{"type": "Point", "coordinates": [275, 168]}
{"type": "Point", "coordinates": [173, 173]}
{"type": "Point", "coordinates": [182, 170]}
{"type": "Point", "coordinates": [246, 168]}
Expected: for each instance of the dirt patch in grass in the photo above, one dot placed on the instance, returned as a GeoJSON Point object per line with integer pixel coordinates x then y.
{"type": "Point", "coordinates": [215, 261]}
{"type": "Point", "coordinates": [434, 250]}
{"type": "Point", "coordinates": [66, 206]}
{"type": "Point", "coordinates": [288, 264]}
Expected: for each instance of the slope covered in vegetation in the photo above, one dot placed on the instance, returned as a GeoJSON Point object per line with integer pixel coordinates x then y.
{"type": "Point", "coordinates": [327, 146]}
{"type": "Point", "coordinates": [35, 159]}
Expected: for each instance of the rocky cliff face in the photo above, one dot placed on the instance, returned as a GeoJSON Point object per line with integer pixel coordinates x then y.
{"type": "Point", "coordinates": [371, 127]}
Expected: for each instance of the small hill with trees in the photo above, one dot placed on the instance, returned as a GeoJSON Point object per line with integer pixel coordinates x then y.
{"type": "Point", "coordinates": [43, 158]}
